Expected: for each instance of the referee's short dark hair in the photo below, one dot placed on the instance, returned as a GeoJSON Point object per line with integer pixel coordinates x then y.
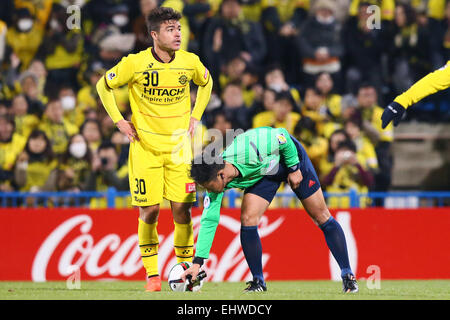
{"type": "Point", "coordinates": [202, 171]}
{"type": "Point", "coordinates": [160, 14]}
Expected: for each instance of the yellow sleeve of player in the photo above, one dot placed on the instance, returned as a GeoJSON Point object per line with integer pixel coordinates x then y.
{"type": "Point", "coordinates": [201, 74]}
{"type": "Point", "coordinates": [431, 83]}
{"type": "Point", "coordinates": [115, 77]}
{"type": "Point", "coordinates": [203, 79]}
{"type": "Point", "coordinates": [122, 73]}
{"type": "Point", "coordinates": [109, 102]}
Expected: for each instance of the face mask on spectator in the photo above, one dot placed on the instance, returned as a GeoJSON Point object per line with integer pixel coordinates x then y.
{"type": "Point", "coordinates": [68, 103]}
{"type": "Point", "coordinates": [278, 87]}
{"type": "Point", "coordinates": [25, 24]}
{"type": "Point", "coordinates": [78, 149]}
{"type": "Point", "coordinates": [325, 20]}
{"type": "Point", "coordinates": [120, 20]}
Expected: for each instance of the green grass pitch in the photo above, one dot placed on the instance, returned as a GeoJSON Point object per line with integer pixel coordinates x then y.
{"type": "Point", "coordinates": [277, 290]}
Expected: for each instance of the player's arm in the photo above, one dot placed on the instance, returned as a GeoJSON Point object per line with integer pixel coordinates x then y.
{"type": "Point", "coordinates": [106, 95]}
{"type": "Point", "coordinates": [208, 225]}
{"type": "Point", "coordinates": [117, 76]}
{"type": "Point", "coordinates": [431, 83]}
{"type": "Point", "coordinates": [203, 79]}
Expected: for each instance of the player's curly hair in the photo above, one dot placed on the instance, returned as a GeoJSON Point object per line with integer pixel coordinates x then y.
{"type": "Point", "coordinates": [158, 15]}
{"type": "Point", "coordinates": [204, 171]}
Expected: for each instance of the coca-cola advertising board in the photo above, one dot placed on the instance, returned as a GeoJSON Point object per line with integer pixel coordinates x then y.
{"type": "Point", "coordinates": [49, 244]}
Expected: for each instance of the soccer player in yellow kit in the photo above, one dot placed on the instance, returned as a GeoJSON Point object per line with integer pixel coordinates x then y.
{"type": "Point", "coordinates": [431, 83]}
{"type": "Point", "coordinates": [161, 123]}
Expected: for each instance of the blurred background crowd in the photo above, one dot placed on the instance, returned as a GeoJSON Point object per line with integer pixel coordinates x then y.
{"type": "Point", "coordinates": [322, 69]}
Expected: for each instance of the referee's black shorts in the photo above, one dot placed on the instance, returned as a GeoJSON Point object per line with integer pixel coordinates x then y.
{"type": "Point", "coordinates": [267, 187]}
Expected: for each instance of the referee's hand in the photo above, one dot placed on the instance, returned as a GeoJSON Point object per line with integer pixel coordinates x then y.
{"type": "Point", "coordinates": [128, 129]}
{"type": "Point", "coordinates": [192, 271]}
{"type": "Point", "coordinates": [294, 179]}
{"type": "Point", "coordinates": [394, 111]}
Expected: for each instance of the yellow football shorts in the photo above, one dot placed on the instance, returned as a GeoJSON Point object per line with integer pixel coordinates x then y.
{"type": "Point", "coordinates": [157, 175]}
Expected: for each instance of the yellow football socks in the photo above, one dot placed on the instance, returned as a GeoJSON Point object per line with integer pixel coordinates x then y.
{"type": "Point", "coordinates": [183, 241]}
{"type": "Point", "coordinates": [148, 244]}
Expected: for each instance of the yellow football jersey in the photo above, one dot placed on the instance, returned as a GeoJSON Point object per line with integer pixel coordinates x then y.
{"type": "Point", "coordinates": [159, 95]}
{"type": "Point", "coordinates": [10, 150]}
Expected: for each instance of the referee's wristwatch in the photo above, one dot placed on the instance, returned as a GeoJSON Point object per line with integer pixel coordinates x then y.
{"type": "Point", "coordinates": [294, 168]}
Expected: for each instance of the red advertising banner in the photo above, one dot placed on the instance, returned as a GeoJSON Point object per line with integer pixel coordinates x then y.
{"type": "Point", "coordinates": [49, 244]}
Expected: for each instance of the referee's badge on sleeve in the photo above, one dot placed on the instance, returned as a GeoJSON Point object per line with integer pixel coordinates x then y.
{"type": "Point", "coordinates": [206, 202]}
{"type": "Point", "coordinates": [281, 138]}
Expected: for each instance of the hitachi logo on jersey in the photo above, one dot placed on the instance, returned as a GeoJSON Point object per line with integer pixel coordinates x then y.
{"type": "Point", "coordinates": [164, 92]}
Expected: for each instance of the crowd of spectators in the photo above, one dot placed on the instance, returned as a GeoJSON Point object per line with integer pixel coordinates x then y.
{"type": "Point", "coordinates": [322, 69]}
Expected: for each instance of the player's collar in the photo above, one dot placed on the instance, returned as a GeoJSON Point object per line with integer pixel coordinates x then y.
{"type": "Point", "coordinates": [159, 59]}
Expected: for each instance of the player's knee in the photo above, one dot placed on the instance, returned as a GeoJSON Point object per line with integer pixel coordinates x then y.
{"type": "Point", "coordinates": [321, 216]}
{"type": "Point", "coordinates": [182, 213]}
{"type": "Point", "coordinates": [248, 219]}
{"type": "Point", "coordinates": [149, 214]}
{"type": "Point", "coordinates": [183, 217]}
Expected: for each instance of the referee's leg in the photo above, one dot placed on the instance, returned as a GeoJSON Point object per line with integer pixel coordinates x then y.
{"type": "Point", "coordinates": [317, 209]}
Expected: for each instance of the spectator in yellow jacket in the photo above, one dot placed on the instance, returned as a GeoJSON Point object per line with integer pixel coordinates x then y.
{"type": "Point", "coordinates": [11, 145]}
{"type": "Point", "coordinates": [35, 164]}
{"type": "Point", "coordinates": [57, 129]}
{"type": "Point", "coordinates": [281, 116]}
{"type": "Point", "coordinates": [24, 122]}
{"type": "Point", "coordinates": [24, 37]}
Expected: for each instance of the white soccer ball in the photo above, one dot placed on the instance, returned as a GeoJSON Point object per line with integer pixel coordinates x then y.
{"type": "Point", "coordinates": [177, 284]}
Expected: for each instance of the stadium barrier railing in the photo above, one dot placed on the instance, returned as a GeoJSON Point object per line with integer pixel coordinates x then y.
{"type": "Point", "coordinates": [108, 199]}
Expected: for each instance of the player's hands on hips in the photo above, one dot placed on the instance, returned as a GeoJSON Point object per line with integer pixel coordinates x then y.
{"type": "Point", "coordinates": [193, 271]}
{"type": "Point", "coordinates": [128, 129]}
{"type": "Point", "coordinates": [192, 125]}
{"type": "Point", "coordinates": [394, 111]}
{"type": "Point", "coordinates": [294, 179]}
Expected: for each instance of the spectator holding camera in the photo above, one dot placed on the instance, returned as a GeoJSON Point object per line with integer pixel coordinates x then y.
{"type": "Point", "coordinates": [343, 170]}
{"type": "Point", "coordinates": [105, 171]}
{"type": "Point", "coordinates": [364, 148]}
